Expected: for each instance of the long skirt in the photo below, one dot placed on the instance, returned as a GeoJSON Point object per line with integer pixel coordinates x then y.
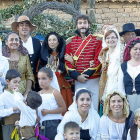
{"type": "Point", "coordinates": [134, 101]}
{"type": "Point", "coordinates": [50, 129]}
{"type": "Point", "coordinates": [65, 89]}
{"type": "Point", "coordinates": [7, 131]}
{"type": "Point", "coordinates": [1, 137]}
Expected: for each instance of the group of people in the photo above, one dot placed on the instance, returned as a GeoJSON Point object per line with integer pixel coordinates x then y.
{"type": "Point", "coordinates": [35, 94]}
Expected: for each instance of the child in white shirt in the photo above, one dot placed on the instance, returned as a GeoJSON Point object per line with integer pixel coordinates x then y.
{"type": "Point", "coordinates": [52, 104]}
{"type": "Point", "coordinates": [134, 131]}
{"type": "Point", "coordinates": [28, 114]}
{"type": "Point", "coordinates": [9, 111]}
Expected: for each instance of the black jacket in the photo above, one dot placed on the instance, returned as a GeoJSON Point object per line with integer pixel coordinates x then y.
{"type": "Point", "coordinates": [46, 51]}
{"type": "Point", "coordinates": [35, 57]}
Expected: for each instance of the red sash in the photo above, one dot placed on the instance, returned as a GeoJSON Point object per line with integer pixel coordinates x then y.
{"type": "Point", "coordinates": [82, 47]}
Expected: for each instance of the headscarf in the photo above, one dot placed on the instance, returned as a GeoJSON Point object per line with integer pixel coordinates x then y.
{"type": "Point", "coordinates": [107, 104]}
{"type": "Point", "coordinates": [131, 43]}
{"type": "Point", "coordinates": [114, 62]}
{"type": "Point", "coordinates": [93, 117]}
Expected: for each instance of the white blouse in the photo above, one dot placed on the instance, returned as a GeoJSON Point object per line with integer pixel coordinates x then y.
{"type": "Point", "coordinates": [109, 130]}
{"type": "Point", "coordinates": [138, 135]}
{"type": "Point", "coordinates": [75, 117]}
{"type": "Point", "coordinates": [48, 102]}
{"type": "Point", "coordinates": [133, 72]}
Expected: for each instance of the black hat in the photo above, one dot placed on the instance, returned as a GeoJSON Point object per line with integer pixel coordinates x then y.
{"type": "Point", "coordinates": [129, 27]}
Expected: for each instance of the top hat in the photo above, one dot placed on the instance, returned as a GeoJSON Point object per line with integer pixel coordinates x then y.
{"type": "Point", "coordinates": [129, 27]}
{"type": "Point", "coordinates": [21, 19]}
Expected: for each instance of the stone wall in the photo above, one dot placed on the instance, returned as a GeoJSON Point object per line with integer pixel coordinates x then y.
{"type": "Point", "coordinates": [116, 13]}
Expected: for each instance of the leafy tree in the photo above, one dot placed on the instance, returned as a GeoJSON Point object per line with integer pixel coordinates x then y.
{"type": "Point", "coordinates": [46, 22]}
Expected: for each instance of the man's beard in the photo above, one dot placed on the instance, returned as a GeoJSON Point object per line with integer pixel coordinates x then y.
{"type": "Point", "coordinates": [86, 30]}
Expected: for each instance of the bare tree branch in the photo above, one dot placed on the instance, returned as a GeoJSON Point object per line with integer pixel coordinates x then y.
{"type": "Point", "coordinates": [40, 7]}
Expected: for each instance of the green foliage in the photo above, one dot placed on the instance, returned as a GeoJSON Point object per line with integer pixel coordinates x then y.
{"type": "Point", "coordinates": [47, 23]}
{"type": "Point", "coordinates": [44, 22]}
{"type": "Point", "coordinates": [11, 11]}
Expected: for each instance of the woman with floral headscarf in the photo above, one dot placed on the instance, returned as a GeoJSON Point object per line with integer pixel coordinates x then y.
{"type": "Point", "coordinates": [129, 74]}
{"type": "Point", "coordinates": [110, 59]}
{"type": "Point", "coordinates": [117, 118]}
{"type": "Point", "coordinates": [82, 112]}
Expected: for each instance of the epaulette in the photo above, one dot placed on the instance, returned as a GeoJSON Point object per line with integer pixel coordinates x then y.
{"type": "Point", "coordinates": [99, 36]}
{"type": "Point", "coordinates": [69, 40]}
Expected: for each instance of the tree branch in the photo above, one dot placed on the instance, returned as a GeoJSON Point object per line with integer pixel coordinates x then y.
{"type": "Point", "coordinates": [40, 7]}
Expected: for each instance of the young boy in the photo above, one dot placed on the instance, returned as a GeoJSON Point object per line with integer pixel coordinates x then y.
{"type": "Point", "coordinates": [134, 131]}
{"type": "Point", "coordinates": [9, 111]}
{"type": "Point", "coordinates": [28, 114]}
{"type": "Point", "coordinates": [71, 131]}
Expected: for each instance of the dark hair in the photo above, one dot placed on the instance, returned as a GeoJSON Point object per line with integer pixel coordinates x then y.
{"type": "Point", "coordinates": [12, 73]}
{"type": "Point", "coordinates": [109, 32]}
{"type": "Point", "coordinates": [82, 16]}
{"type": "Point", "coordinates": [47, 71]}
{"type": "Point", "coordinates": [81, 91]}
{"type": "Point", "coordinates": [33, 99]}
{"type": "Point", "coordinates": [71, 125]}
{"type": "Point", "coordinates": [59, 47]}
{"type": "Point", "coordinates": [6, 50]}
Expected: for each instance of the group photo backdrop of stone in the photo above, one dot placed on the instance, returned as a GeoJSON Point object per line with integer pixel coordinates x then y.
{"type": "Point", "coordinates": [59, 15]}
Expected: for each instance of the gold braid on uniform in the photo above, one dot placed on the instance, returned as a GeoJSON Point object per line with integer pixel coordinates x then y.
{"type": "Point", "coordinates": [106, 107]}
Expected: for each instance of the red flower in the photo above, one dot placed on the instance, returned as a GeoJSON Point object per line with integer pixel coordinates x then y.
{"type": "Point", "coordinates": [57, 74]}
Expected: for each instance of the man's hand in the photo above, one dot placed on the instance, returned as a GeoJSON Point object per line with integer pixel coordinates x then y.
{"type": "Point", "coordinates": [82, 78]}
{"type": "Point", "coordinates": [69, 58]}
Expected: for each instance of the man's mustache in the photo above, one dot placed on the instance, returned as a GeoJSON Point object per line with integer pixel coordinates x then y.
{"type": "Point", "coordinates": [82, 28]}
{"type": "Point", "coordinates": [86, 29]}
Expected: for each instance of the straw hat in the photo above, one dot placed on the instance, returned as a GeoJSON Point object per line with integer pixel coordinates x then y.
{"type": "Point", "coordinates": [21, 19]}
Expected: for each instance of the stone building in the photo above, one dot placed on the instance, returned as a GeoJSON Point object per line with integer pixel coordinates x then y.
{"type": "Point", "coordinates": [116, 12]}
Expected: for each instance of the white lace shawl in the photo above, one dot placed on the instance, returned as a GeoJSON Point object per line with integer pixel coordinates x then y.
{"type": "Point", "coordinates": [114, 64]}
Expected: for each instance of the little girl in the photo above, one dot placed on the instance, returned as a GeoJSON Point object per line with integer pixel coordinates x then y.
{"type": "Point", "coordinates": [52, 104]}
